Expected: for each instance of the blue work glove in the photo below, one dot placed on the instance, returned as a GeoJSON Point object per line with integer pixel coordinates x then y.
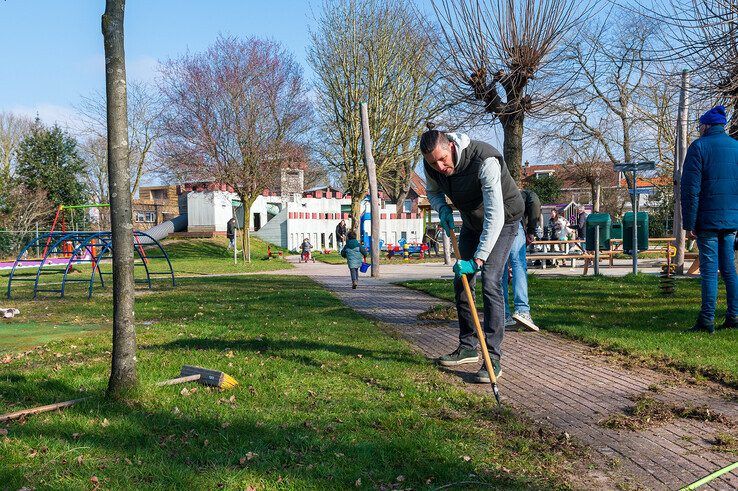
{"type": "Point", "coordinates": [446, 216]}
{"type": "Point", "coordinates": [464, 266]}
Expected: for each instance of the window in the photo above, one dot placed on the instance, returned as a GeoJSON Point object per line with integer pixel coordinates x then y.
{"type": "Point", "coordinates": [140, 217]}
{"type": "Point", "coordinates": [150, 217]}
{"type": "Point", "coordinates": [407, 206]}
{"type": "Point", "coordinates": [543, 174]}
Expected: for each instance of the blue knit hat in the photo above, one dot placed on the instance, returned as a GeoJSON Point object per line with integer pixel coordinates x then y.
{"type": "Point", "coordinates": [716, 115]}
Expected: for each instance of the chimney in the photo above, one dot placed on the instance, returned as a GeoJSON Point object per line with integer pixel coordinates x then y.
{"type": "Point", "coordinates": [291, 182]}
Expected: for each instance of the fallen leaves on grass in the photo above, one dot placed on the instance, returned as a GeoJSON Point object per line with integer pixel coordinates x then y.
{"type": "Point", "coordinates": [249, 456]}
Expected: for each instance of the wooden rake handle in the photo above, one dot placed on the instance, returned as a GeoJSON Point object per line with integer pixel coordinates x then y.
{"type": "Point", "coordinates": [475, 315]}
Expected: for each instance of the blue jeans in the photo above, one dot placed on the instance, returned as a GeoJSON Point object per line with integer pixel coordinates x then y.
{"type": "Point", "coordinates": [518, 263]}
{"type": "Point", "coordinates": [716, 252]}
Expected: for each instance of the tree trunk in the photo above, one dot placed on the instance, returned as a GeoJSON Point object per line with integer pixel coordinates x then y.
{"type": "Point", "coordinates": [512, 146]}
{"type": "Point", "coordinates": [597, 191]}
{"type": "Point", "coordinates": [371, 172]}
{"type": "Point", "coordinates": [246, 235]}
{"type": "Point", "coordinates": [123, 373]}
{"type": "Point", "coordinates": [680, 153]}
{"type": "Point", "coordinates": [356, 212]}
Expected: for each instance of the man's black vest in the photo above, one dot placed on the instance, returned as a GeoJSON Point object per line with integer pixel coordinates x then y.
{"type": "Point", "coordinates": [464, 188]}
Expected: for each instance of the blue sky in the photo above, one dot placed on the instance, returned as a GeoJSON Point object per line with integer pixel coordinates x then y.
{"type": "Point", "coordinates": [51, 52]}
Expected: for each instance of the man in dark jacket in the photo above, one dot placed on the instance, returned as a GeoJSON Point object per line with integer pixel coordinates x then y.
{"type": "Point", "coordinates": [341, 234]}
{"type": "Point", "coordinates": [518, 262]}
{"type": "Point", "coordinates": [581, 223]}
{"type": "Point", "coordinates": [710, 213]}
{"type": "Point", "coordinates": [231, 232]}
{"type": "Point", "coordinates": [473, 175]}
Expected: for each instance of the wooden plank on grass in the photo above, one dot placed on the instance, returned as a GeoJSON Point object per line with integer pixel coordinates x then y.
{"type": "Point", "coordinates": [40, 409]}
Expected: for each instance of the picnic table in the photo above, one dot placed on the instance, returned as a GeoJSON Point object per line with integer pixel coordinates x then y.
{"type": "Point", "coordinates": [575, 249]}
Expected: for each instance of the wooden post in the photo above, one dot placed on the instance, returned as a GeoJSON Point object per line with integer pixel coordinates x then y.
{"type": "Point", "coordinates": [446, 248]}
{"type": "Point", "coordinates": [680, 152]}
{"type": "Point", "coordinates": [123, 371]}
{"type": "Point", "coordinates": [371, 172]}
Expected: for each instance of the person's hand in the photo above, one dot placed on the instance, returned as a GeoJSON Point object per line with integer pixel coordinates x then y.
{"type": "Point", "coordinates": [446, 218]}
{"type": "Point", "coordinates": [529, 239]}
{"type": "Point", "coordinates": [691, 234]}
{"type": "Point", "coordinates": [464, 266]}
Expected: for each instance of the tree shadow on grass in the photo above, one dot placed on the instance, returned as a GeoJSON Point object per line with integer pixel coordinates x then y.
{"type": "Point", "coordinates": [146, 446]}
{"type": "Point", "coordinates": [286, 349]}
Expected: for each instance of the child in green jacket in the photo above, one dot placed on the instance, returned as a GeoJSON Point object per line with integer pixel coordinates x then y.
{"type": "Point", "coordinates": [355, 255]}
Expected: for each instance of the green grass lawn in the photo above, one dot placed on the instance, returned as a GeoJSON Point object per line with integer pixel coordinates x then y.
{"type": "Point", "coordinates": [627, 315]}
{"type": "Point", "coordinates": [326, 401]}
{"type": "Point", "coordinates": [211, 256]}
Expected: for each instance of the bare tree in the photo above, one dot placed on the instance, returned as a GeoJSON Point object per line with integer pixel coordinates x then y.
{"type": "Point", "coordinates": [22, 209]}
{"type": "Point", "coordinates": [144, 113]}
{"type": "Point", "coordinates": [123, 373]}
{"type": "Point", "coordinates": [703, 36]}
{"type": "Point", "coordinates": [13, 129]}
{"type": "Point", "coordinates": [94, 151]}
{"type": "Point", "coordinates": [614, 110]}
{"type": "Point", "coordinates": [234, 114]}
{"type": "Point", "coordinates": [587, 167]}
{"type": "Point", "coordinates": [504, 59]}
{"type": "Point", "coordinates": [377, 51]}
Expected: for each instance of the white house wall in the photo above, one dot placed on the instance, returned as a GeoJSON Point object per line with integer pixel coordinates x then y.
{"type": "Point", "coordinates": [317, 218]}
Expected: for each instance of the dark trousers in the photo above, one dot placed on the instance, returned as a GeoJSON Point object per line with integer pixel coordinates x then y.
{"type": "Point", "coordinates": [494, 304]}
{"type": "Point", "coordinates": [354, 275]}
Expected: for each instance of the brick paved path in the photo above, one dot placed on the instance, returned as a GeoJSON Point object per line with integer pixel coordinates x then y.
{"type": "Point", "coordinates": [561, 384]}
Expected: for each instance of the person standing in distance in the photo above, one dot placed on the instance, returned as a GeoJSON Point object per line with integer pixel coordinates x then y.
{"type": "Point", "coordinates": [473, 175]}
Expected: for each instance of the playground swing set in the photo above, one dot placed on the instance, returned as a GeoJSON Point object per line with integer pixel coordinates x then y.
{"type": "Point", "coordinates": [63, 249]}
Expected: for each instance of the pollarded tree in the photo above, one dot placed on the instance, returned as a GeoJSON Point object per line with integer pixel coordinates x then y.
{"type": "Point", "coordinates": [234, 113]}
{"type": "Point", "coordinates": [505, 59]}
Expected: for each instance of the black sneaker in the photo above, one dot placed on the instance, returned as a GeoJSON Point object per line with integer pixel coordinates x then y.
{"type": "Point", "coordinates": [730, 323]}
{"type": "Point", "coordinates": [482, 376]}
{"type": "Point", "coordinates": [459, 357]}
{"type": "Point", "coordinates": [702, 327]}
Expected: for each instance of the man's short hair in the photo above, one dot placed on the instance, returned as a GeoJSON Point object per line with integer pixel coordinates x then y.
{"type": "Point", "coordinates": [430, 139]}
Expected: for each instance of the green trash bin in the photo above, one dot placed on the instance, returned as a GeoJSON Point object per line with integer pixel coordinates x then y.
{"type": "Point", "coordinates": [642, 231]}
{"type": "Point", "coordinates": [604, 221]}
{"type": "Point", "coordinates": [616, 231]}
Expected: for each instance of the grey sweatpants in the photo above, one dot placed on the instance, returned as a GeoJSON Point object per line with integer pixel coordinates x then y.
{"type": "Point", "coordinates": [494, 306]}
{"type": "Point", "coordinates": [354, 275]}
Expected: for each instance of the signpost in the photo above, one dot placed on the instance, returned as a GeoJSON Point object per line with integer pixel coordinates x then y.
{"type": "Point", "coordinates": [635, 167]}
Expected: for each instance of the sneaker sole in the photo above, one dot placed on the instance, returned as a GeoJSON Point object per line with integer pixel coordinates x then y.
{"type": "Point", "coordinates": [481, 380]}
{"type": "Point", "coordinates": [454, 363]}
{"type": "Point", "coordinates": [527, 323]}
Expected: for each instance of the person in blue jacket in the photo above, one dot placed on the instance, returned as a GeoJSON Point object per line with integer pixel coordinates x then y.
{"type": "Point", "coordinates": [710, 213]}
{"type": "Point", "coordinates": [355, 254]}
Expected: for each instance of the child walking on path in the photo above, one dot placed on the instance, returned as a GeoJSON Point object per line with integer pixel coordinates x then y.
{"type": "Point", "coordinates": [355, 255]}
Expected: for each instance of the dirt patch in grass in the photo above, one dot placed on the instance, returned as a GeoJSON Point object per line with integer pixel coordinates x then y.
{"type": "Point", "coordinates": [647, 411]}
{"type": "Point", "coordinates": [439, 312]}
